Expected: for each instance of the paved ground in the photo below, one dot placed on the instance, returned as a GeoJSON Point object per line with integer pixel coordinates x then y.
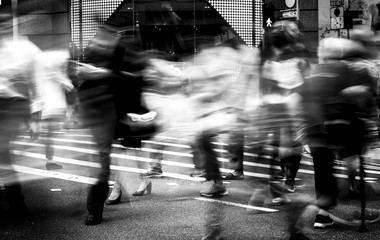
{"type": "Point", "coordinates": [174, 210]}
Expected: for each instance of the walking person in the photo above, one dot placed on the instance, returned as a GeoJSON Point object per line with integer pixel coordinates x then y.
{"type": "Point", "coordinates": [51, 71]}
{"type": "Point", "coordinates": [279, 119]}
{"type": "Point", "coordinates": [19, 104]}
{"type": "Point", "coordinates": [111, 87]}
{"type": "Point", "coordinates": [333, 95]}
{"type": "Point", "coordinates": [209, 81]}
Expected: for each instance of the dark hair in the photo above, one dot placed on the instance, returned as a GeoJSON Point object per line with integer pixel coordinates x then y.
{"type": "Point", "coordinates": [284, 33]}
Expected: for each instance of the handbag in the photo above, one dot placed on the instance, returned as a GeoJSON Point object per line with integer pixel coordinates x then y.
{"type": "Point", "coordinates": [139, 126]}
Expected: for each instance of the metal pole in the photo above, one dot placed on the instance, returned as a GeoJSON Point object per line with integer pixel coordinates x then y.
{"type": "Point", "coordinates": [362, 227]}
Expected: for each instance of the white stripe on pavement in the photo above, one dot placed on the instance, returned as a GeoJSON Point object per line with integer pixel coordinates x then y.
{"type": "Point", "coordinates": [237, 204]}
{"type": "Point", "coordinates": [58, 175]}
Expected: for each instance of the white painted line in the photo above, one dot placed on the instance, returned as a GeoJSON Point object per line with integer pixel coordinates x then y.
{"type": "Point", "coordinates": [56, 190]}
{"type": "Point", "coordinates": [58, 175]}
{"type": "Point", "coordinates": [237, 204]}
{"type": "Point", "coordinates": [113, 167]}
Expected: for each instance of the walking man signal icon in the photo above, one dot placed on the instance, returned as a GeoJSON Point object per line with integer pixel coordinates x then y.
{"type": "Point", "coordinates": [269, 23]}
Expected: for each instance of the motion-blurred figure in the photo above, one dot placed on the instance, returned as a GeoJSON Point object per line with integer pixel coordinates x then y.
{"type": "Point", "coordinates": [338, 95]}
{"type": "Point", "coordinates": [111, 87]}
{"type": "Point", "coordinates": [51, 72]}
{"type": "Point", "coordinates": [210, 79]}
{"type": "Point", "coordinates": [19, 104]}
{"type": "Point", "coordinates": [280, 123]}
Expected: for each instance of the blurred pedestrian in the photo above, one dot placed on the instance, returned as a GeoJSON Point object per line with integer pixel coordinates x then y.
{"type": "Point", "coordinates": [337, 96]}
{"type": "Point", "coordinates": [51, 72]}
{"type": "Point", "coordinates": [280, 123]}
{"type": "Point", "coordinates": [19, 104]}
{"type": "Point", "coordinates": [210, 79]}
{"type": "Point", "coordinates": [111, 87]}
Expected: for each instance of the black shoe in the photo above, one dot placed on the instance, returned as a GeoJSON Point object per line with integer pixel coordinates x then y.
{"type": "Point", "coordinates": [214, 191]}
{"type": "Point", "coordinates": [322, 221]}
{"type": "Point", "coordinates": [235, 175]}
{"type": "Point", "coordinates": [290, 186]}
{"type": "Point", "coordinates": [93, 220]}
{"type": "Point", "coordinates": [114, 201]}
{"type": "Point", "coordinates": [53, 166]}
{"type": "Point", "coordinates": [198, 173]}
{"type": "Point", "coordinates": [151, 174]}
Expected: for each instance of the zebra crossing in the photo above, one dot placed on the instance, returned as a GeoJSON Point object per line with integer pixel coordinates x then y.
{"type": "Point", "coordinates": [76, 147]}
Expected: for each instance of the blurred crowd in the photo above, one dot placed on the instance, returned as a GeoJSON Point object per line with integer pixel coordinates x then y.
{"type": "Point", "coordinates": [279, 99]}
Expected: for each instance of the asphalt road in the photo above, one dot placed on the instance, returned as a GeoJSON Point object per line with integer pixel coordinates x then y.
{"type": "Point", "coordinates": [175, 210]}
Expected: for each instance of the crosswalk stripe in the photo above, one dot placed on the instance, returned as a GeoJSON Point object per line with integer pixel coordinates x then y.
{"type": "Point", "coordinates": [129, 169]}
{"type": "Point", "coordinates": [51, 174]}
{"type": "Point", "coordinates": [237, 204]}
{"type": "Point", "coordinates": [179, 164]}
{"type": "Point", "coordinates": [97, 165]}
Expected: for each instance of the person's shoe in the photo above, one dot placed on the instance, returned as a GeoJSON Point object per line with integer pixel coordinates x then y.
{"type": "Point", "coordinates": [114, 201]}
{"type": "Point", "coordinates": [280, 200]}
{"type": "Point", "coordinates": [53, 166]}
{"type": "Point", "coordinates": [290, 186]}
{"type": "Point", "coordinates": [322, 221]}
{"type": "Point", "coordinates": [235, 175]}
{"type": "Point", "coordinates": [145, 189]}
{"type": "Point", "coordinates": [214, 191]}
{"type": "Point", "coordinates": [291, 189]}
{"type": "Point", "coordinates": [151, 174]}
{"type": "Point", "coordinates": [93, 220]}
{"type": "Point", "coordinates": [198, 173]}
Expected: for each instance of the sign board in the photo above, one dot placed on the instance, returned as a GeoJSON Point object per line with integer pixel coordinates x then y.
{"type": "Point", "coordinates": [290, 13]}
{"type": "Point", "coordinates": [337, 22]}
{"type": "Point", "coordinates": [336, 2]}
{"type": "Point", "coordinates": [336, 12]}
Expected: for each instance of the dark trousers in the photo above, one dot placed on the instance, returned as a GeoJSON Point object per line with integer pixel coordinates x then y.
{"type": "Point", "coordinates": [325, 183]}
{"type": "Point", "coordinates": [103, 134]}
{"type": "Point", "coordinates": [236, 150]}
{"type": "Point", "coordinates": [13, 113]}
{"type": "Point", "coordinates": [206, 151]}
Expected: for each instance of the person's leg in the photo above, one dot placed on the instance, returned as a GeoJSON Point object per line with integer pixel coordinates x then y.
{"type": "Point", "coordinates": [51, 125]}
{"type": "Point", "coordinates": [212, 165]}
{"type": "Point", "coordinates": [198, 160]}
{"type": "Point", "coordinates": [103, 134]}
{"type": "Point", "coordinates": [291, 166]}
{"type": "Point", "coordinates": [115, 195]}
{"type": "Point", "coordinates": [325, 184]}
{"type": "Point", "coordinates": [155, 164]}
{"type": "Point", "coordinates": [352, 164]}
{"type": "Point", "coordinates": [12, 115]}
{"type": "Point", "coordinates": [236, 152]}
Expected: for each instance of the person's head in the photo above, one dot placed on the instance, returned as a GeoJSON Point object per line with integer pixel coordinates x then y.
{"type": "Point", "coordinates": [284, 33]}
